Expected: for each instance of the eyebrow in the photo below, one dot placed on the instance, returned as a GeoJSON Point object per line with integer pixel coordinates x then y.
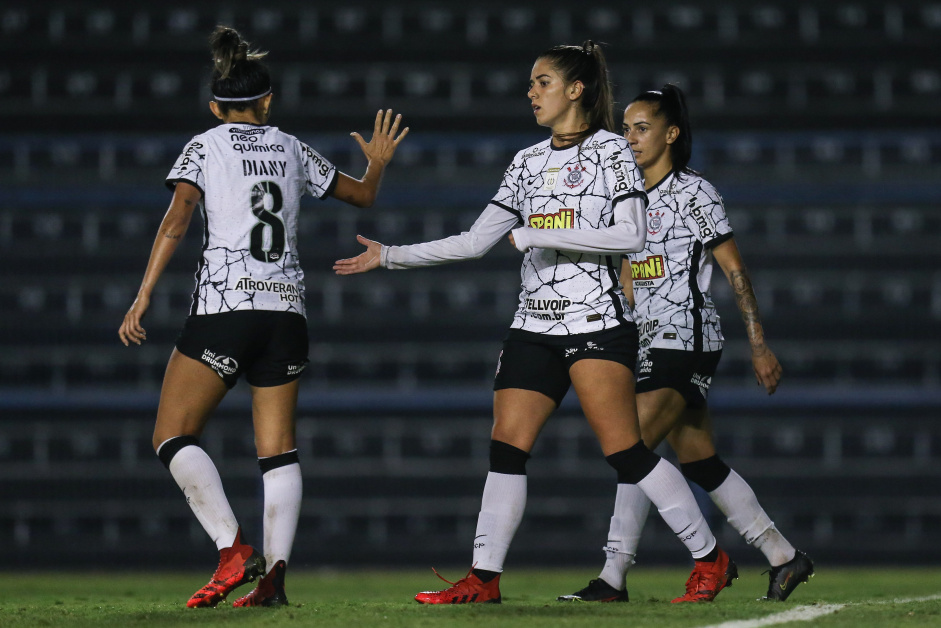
{"type": "Point", "coordinates": [543, 76]}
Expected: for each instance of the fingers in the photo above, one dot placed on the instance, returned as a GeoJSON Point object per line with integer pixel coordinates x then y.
{"type": "Point", "coordinates": [131, 331]}
{"type": "Point", "coordinates": [401, 137]}
{"type": "Point", "coordinates": [377, 126]}
{"type": "Point", "coordinates": [359, 139]}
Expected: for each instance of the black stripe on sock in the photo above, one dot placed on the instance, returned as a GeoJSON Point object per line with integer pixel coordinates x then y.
{"type": "Point", "coordinates": [170, 448]}
{"type": "Point", "coordinates": [275, 462]}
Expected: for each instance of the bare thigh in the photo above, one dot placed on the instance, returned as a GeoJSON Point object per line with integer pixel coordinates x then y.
{"type": "Point", "coordinates": [659, 411]}
{"type": "Point", "coordinates": [191, 391]}
{"type": "Point", "coordinates": [273, 414]}
{"type": "Point", "coordinates": [519, 415]}
{"type": "Point", "coordinates": [606, 392]}
{"type": "Point", "coordinates": [692, 438]}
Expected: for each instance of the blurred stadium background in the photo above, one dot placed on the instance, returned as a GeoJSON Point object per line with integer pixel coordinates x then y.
{"type": "Point", "coordinates": [818, 121]}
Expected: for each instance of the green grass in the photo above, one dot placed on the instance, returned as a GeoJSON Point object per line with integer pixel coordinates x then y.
{"type": "Point", "coordinates": [384, 598]}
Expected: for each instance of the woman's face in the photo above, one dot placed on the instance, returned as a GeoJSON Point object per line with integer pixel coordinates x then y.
{"type": "Point", "coordinates": [548, 94]}
{"type": "Point", "coordinates": [648, 134]}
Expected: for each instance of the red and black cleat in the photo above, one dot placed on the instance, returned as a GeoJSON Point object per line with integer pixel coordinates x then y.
{"type": "Point", "coordinates": [237, 565]}
{"type": "Point", "coordinates": [269, 591]}
{"type": "Point", "coordinates": [468, 590]}
{"type": "Point", "coordinates": [708, 579]}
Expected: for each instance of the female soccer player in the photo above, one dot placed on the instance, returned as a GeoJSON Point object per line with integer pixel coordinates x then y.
{"type": "Point", "coordinates": [248, 307]}
{"type": "Point", "coordinates": [681, 343]}
{"type": "Point", "coordinates": [572, 204]}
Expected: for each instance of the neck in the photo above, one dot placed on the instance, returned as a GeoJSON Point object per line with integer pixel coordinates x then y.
{"type": "Point", "coordinates": [573, 124]}
{"type": "Point", "coordinates": [239, 117]}
{"type": "Point", "coordinates": [655, 173]}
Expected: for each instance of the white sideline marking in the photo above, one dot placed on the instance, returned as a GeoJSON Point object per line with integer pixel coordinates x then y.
{"type": "Point", "coordinates": [811, 612]}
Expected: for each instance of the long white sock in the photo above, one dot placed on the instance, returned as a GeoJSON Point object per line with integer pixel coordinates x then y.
{"type": "Point", "coordinates": [630, 512]}
{"type": "Point", "coordinates": [668, 490]}
{"type": "Point", "coordinates": [196, 475]}
{"type": "Point", "coordinates": [283, 491]}
{"type": "Point", "coordinates": [736, 499]}
{"type": "Point", "coordinates": [501, 511]}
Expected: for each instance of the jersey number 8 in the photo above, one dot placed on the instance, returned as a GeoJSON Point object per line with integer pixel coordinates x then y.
{"type": "Point", "coordinates": [266, 203]}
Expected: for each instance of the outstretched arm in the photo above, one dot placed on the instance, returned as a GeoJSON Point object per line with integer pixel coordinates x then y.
{"type": "Point", "coordinates": [172, 229]}
{"type": "Point", "coordinates": [767, 368]}
{"type": "Point", "coordinates": [487, 230]}
{"type": "Point", "coordinates": [379, 151]}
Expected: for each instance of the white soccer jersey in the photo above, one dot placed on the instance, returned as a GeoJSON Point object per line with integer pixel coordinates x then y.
{"type": "Point", "coordinates": [252, 178]}
{"type": "Point", "coordinates": [580, 207]}
{"type": "Point", "coordinates": [672, 300]}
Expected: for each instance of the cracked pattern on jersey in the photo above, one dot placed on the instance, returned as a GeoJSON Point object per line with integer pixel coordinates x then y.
{"type": "Point", "coordinates": [565, 292]}
{"type": "Point", "coordinates": [671, 276]}
{"type": "Point", "coordinates": [252, 178]}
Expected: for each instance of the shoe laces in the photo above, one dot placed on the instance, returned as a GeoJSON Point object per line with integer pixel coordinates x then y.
{"type": "Point", "coordinates": [459, 582]}
{"type": "Point", "coordinates": [695, 580]}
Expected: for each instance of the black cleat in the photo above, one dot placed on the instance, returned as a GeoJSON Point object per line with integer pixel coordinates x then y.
{"type": "Point", "coordinates": [597, 591]}
{"type": "Point", "coordinates": [783, 579]}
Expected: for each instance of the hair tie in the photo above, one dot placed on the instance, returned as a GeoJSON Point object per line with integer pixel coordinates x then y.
{"type": "Point", "coordinates": [245, 99]}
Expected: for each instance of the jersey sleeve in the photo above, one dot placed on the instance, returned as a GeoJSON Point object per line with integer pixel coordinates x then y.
{"type": "Point", "coordinates": [190, 166]}
{"type": "Point", "coordinates": [507, 195]}
{"type": "Point", "coordinates": [321, 174]}
{"type": "Point", "coordinates": [622, 175]}
{"type": "Point", "coordinates": [494, 223]}
{"type": "Point", "coordinates": [704, 215]}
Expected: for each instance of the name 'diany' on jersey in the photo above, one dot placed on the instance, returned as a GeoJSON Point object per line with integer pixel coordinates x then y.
{"type": "Point", "coordinates": [251, 167]}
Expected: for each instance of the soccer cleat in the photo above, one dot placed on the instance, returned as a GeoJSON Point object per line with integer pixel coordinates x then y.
{"type": "Point", "coordinates": [597, 591]}
{"type": "Point", "coordinates": [468, 590]}
{"type": "Point", "coordinates": [269, 591]}
{"type": "Point", "coordinates": [783, 579]}
{"type": "Point", "coordinates": [237, 565]}
{"type": "Point", "coordinates": [708, 579]}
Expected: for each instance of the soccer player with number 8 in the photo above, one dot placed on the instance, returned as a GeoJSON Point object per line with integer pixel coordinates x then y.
{"type": "Point", "coordinates": [248, 312]}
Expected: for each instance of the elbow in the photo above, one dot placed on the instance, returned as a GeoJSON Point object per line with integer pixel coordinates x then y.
{"type": "Point", "coordinates": [365, 201]}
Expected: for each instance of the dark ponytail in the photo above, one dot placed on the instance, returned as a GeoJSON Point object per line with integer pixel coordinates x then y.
{"type": "Point", "coordinates": [586, 63]}
{"type": "Point", "coordinates": [671, 104]}
{"type": "Point", "coordinates": [239, 77]}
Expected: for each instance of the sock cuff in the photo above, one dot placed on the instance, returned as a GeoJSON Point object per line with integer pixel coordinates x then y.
{"type": "Point", "coordinates": [633, 464]}
{"type": "Point", "coordinates": [278, 461]}
{"type": "Point", "coordinates": [170, 447]}
{"type": "Point", "coordinates": [708, 473]}
{"type": "Point", "coordinates": [507, 459]}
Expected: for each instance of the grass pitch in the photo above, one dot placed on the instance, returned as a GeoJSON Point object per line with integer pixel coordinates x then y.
{"type": "Point", "coordinates": [857, 597]}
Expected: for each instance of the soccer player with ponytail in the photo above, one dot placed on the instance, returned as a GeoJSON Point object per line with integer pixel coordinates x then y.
{"type": "Point", "coordinates": [247, 315]}
{"type": "Point", "coordinates": [681, 343]}
{"type": "Point", "coordinates": [572, 204]}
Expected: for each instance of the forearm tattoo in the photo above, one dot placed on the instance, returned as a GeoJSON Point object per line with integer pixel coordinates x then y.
{"type": "Point", "coordinates": [171, 236]}
{"type": "Point", "coordinates": [748, 306]}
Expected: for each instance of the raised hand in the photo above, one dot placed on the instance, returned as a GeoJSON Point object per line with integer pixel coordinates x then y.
{"type": "Point", "coordinates": [364, 262]}
{"type": "Point", "coordinates": [384, 141]}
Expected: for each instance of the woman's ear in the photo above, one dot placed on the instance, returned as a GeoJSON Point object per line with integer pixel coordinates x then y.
{"type": "Point", "coordinates": [214, 108]}
{"type": "Point", "coordinates": [574, 90]}
{"type": "Point", "coordinates": [673, 132]}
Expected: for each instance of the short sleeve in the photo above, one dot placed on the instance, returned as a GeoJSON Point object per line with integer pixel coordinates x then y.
{"type": "Point", "coordinates": [190, 166]}
{"type": "Point", "coordinates": [704, 215]}
{"type": "Point", "coordinates": [622, 175]}
{"type": "Point", "coordinates": [321, 174]}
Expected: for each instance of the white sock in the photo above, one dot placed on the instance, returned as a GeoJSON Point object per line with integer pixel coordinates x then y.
{"type": "Point", "coordinates": [736, 499]}
{"type": "Point", "coordinates": [630, 512]}
{"type": "Point", "coordinates": [668, 490]}
{"type": "Point", "coordinates": [196, 475]}
{"type": "Point", "coordinates": [501, 511]}
{"type": "Point", "coordinates": [283, 490]}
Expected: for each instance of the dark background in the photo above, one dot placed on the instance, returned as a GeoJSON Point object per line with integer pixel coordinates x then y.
{"type": "Point", "coordinates": [818, 122]}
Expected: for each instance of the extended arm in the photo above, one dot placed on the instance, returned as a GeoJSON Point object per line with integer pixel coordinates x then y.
{"type": "Point", "coordinates": [379, 151]}
{"type": "Point", "coordinates": [172, 229]}
{"type": "Point", "coordinates": [767, 368]}
{"type": "Point", "coordinates": [489, 228]}
{"type": "Point", "coordinates": [627, 235]}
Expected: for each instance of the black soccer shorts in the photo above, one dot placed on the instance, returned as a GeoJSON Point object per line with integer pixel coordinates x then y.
{"type": "Point", "coordinates": [271, 348]}
{"type": "Point", "coordinates": [687, 372]}
{"type": "Point", "coordinates": [541, 362]}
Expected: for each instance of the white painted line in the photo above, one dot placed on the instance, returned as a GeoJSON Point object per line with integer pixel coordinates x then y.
{"type": "Point", "coordinates": [811, 612]}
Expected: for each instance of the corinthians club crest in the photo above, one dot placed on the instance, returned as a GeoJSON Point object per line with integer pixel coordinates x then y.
{"type": "Point", "coordinates": [574, 178]}
{"type": "Point", "coordinates": [654, 222]}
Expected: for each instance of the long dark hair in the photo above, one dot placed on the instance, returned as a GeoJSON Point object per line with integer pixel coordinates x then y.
{"type": "Point", "coordinates": [585, 63]}
{"type": "Point", "coordinates": [237, 72]}
{"type": "Point", "coordinates": [671, 104]}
